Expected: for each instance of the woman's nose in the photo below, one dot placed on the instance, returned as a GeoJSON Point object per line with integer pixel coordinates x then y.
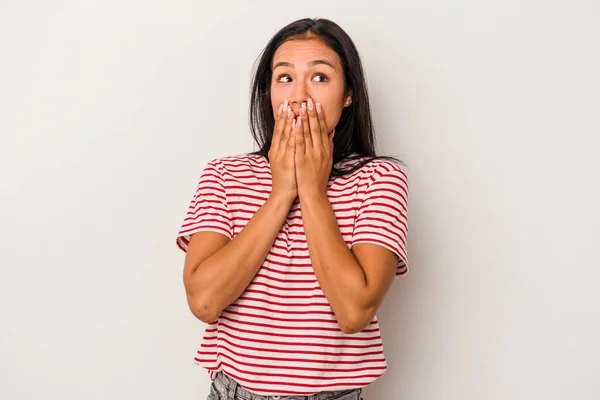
{"type": "Point", "coordinates": [300, 93]}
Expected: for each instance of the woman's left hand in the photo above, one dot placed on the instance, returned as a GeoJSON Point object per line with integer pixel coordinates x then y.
{"type": "Point", "coordinates": [314, 151]}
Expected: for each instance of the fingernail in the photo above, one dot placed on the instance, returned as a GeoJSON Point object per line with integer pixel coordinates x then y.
{"type": "Point", "coordinates": [289, 112]}
{"type": "Point", "coordinates": [294, 124]}
{"type": "Point", "coordinates": [310, 104]}
{"type": "Point", "coordinates": [280, 109]}
{"type": "Point", "coordinates": [285, 104]}
{"type": "Point", "coordinates": [299, 123]}
{"type": "Point", "coordinates": [303, 109]}
{"type": "Point", "coordinates": [319, 108]}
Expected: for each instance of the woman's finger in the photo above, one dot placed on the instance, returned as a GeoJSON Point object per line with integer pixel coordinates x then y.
{"type": "Point", "coordinates": [286, 131]}
{"type": "Point", "coordinates": [300, 137]}
{"type": "Point", "coordinates": [290, 150]}
{"type": "Point", "coordinates": [280, 119]}
{"type": "Point", "coordinates": [325, 136]}
{"type": "Point", "coordinates": [306, 136]}
{"type": "Point", "coordinates": [315, 128]}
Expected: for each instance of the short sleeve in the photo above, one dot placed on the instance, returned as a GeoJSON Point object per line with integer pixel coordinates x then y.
{"type": "Point", "coordinates": [208, 211]}
{"type": "Point", "coordinates": [382, 215]}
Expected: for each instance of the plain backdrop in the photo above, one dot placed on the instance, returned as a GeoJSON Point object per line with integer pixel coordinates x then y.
{"type": "Point", "coordinates": [110, 109]}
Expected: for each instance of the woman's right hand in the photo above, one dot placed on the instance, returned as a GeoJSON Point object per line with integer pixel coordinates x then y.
{"type": "Point", "coordinates": [281, 155]}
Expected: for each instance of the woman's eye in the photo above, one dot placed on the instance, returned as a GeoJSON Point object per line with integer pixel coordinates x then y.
{"type": "Point", "coordinates": [287, 79]}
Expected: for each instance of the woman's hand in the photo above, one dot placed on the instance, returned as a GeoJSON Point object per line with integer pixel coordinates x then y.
{"type": "Point", "coordinates": [314, 151]}
{"type": "Point", "coordinates": [281, 155]}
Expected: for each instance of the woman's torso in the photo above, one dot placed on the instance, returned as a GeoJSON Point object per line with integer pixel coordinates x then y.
{"type": "Point", "coordinates": [281, 335]}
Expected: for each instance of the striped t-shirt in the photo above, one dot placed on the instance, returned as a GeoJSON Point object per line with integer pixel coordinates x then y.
{"type": "Point", "coordinates": [281, 337]}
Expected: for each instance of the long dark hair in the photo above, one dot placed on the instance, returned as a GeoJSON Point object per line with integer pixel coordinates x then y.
{"type": "Point", "coordinates": [354, 137]}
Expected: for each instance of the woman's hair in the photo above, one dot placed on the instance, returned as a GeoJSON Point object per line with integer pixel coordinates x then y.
{"type": "Point", "coordinates": [354, 131]}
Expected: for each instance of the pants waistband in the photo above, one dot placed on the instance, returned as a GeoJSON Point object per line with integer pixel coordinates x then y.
{"type": "Point", "coordinates": [235, 391]}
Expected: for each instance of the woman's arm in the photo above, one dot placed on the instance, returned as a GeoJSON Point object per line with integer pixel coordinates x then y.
{"type": "Point", "coordinates": [217, 270]}
{"type": "Point", "coordinates": [354, 281]}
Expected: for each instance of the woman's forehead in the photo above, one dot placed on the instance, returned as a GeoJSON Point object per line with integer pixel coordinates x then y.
{"type": "Point", "coordinates": [304, 51]}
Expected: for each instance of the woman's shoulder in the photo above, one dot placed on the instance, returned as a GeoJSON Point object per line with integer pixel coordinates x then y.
{"type": "Point", "coordinates": [374, 167]}
{"type": "Point", "coordinates": [386, 166]}
{"type": "Point", "coordinates": [234, 162]}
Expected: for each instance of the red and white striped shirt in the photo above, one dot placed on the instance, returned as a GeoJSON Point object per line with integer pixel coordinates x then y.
{"type": "Point", "coordinates": [280, 337]}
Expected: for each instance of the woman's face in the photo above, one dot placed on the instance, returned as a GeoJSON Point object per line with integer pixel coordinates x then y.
{"type": "Point", "coordinates": [308, 68]}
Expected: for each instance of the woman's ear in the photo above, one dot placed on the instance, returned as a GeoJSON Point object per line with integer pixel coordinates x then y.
{"type": "Point", "coordinates": [348, 99]}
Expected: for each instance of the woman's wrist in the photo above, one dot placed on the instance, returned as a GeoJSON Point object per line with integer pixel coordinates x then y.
{"type": "Point", "coordinates": [281, 202]}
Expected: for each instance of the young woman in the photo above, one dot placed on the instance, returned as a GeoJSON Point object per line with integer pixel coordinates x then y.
{"type": "Point", "coordinates": [290, 250]}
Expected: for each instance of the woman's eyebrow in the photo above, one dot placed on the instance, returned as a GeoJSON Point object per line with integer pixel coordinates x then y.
{"type": "Point", "coordinates": [317, 62]}
{"type": "Point", "coordinates": [310, 64]}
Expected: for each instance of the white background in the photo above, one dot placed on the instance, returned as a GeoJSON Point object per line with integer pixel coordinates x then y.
{"type": "Point", "coordinates": [110, 109]}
